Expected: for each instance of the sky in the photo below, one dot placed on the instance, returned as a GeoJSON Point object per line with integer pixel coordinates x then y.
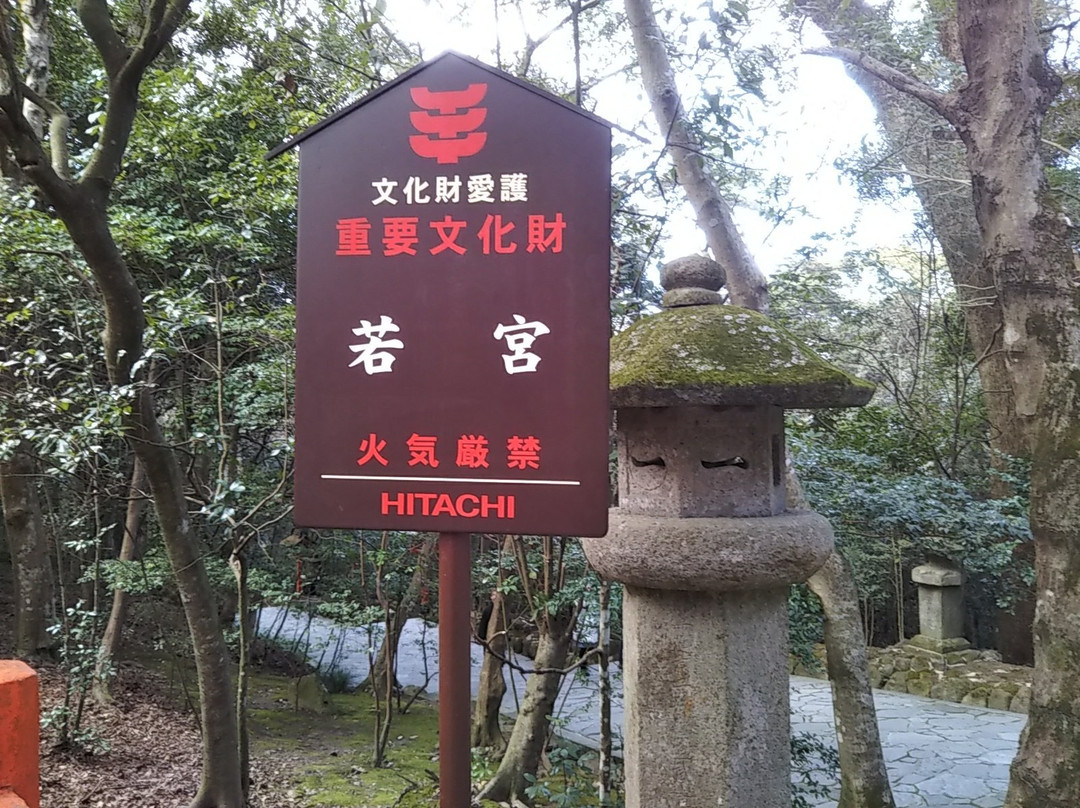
{"type": "Point", "coordinates": [819, 117]}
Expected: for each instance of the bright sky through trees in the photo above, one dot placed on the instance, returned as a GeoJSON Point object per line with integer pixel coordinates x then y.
{"type": "Point", "coordinates": [818, 117]}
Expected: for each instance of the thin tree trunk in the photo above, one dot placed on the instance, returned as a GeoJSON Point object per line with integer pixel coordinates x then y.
{"type": "Point", "coordinates": [239, 564]}
{"type": "Point", "coordinates": [604, 641]}
{"type": "Point", "coordinates": [129, 551]}
{"type": "Point", "coordinates": [529, 736]}
{"type": "Point", "coordinates": [486, 731]}
{"type": "Point", "coordinates": [745, 282]}
{"type": "Point", "coordinates": [29, 553]}
{"type": "Point", "coordinates": [220, 787]}
{"type": "Point", "coordinates": [383, 679]}
{"type": "Point", "coordinates": [864, 782]}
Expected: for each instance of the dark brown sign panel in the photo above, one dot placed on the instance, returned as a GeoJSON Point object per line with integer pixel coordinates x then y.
{"type": "Point", "coordinates": [452, 335]}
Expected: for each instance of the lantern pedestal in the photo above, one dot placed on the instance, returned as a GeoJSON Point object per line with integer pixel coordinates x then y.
{"type": "Point", "coordinates": [705, 676]}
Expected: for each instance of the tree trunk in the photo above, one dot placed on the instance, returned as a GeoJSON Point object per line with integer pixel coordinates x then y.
{"type": "Point", "coordinates": [129, 551]}
{"type": "Point", "coordinates": [83, 215]}
{"type": "Point", "coordinates": [83, 207]}
{"type": "Point", "coordinates": [745, 282]}
{"type": "Point", "coordinates": [33, 14]}
{"type": "Point", "coordinates": [604, 642]}
{"type": "Point", "coordinates": [239, 564]}
{"type": "Point", "coordinates": [381, 679]}
{"type": "Point", "coordinates": [529, 736]}
{"type": "Point", "coordinates": [1027, 248]}
{"type": "Point", "coordinates": [864, 782]}
{"type": "Point", "coordinates": [486, 731]}
{"type": "Point", "coordinates": [29, 553]}
{"type": "Point", "coordinates": [1025, 244]}
{"type": "Point", "coordinates": [220, 787]}
{"type": "Point", "coordinates": [933, 158]}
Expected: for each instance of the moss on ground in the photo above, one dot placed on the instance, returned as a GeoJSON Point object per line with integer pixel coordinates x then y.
{"type": "Point", "coordinates": [332, 752]}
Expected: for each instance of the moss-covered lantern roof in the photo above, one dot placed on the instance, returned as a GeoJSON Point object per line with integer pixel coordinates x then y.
{"type": "Point", "coordinates": [701, 353]}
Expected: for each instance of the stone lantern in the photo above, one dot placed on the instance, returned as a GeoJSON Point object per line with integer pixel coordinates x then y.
{"type": "Point", "coordinates": [704, 543]}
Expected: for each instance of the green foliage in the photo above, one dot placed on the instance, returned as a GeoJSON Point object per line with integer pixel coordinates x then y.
{"type": "Point", "coordinates": [816, 767]}
{"type": "Point", "coordinates": [806, 625]}
{"type": "Point", "coordinates": [335, 679]}
{"type": "Point", "coordinates": [888, 521]}
{"type": "Point", "coordinates": [568, 782]}
{"type": "Point", "coordinates": [78, 658]}
{"type": "Point", "coordinates": [149, 574]}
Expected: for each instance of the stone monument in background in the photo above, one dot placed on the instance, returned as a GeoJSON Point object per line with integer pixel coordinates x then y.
{"type": "Point", "coordinates": [941, 607]}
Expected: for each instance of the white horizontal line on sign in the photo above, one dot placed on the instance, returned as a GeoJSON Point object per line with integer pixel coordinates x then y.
{"type": "Point", "coordinates": [446, 479]}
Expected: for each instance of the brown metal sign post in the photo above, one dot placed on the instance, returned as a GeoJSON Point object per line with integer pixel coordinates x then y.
{"type": "Point", "coordinates": [455, 629]}
{"type": "Point", "coordinates": [452, 329]}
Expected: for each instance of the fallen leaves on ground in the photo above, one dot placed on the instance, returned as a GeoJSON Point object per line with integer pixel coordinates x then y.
{"type": "Point", "coordinates": [153, 757]}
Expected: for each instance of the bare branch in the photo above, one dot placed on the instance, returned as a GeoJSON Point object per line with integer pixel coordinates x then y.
{"type": "Point", "coordinates": [945, 104]}
{"type": "Point", "coordinates": [588, 657]}
{"type": "Point", "coordinates": [532, 44]}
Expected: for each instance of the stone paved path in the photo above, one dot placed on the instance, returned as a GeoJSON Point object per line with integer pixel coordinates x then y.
{"type": "Point", "coordinates": [939, 754]}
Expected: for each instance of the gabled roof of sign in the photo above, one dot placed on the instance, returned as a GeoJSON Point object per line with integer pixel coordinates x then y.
{"type": "Point", "coordinates": [408, 74]}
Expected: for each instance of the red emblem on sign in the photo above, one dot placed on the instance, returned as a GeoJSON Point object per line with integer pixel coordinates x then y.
{"type": "Point", "coordinates": [444, 119]}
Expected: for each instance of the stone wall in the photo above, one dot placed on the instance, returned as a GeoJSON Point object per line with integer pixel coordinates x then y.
{"type": "Point", "coordinates": [976, 678]}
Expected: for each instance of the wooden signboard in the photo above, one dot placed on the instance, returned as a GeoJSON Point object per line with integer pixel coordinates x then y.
{"type": "Point", "coordinates": [453, 314]}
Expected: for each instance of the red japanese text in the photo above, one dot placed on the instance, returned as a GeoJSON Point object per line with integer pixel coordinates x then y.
{"type": "Point", "coordinates": [495, 235]}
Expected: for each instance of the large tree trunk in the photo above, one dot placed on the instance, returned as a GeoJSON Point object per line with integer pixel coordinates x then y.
{"type": "Point", "coordinates": [129, 551]}
{"type": "Point", "coordinates": [29, 553]}
{"type": "Point", "coordinates": [486, 731]}
{"type": "Point", "coordinates": [853, 701]}
{"type": "Point", "coordinates": [1026, 246]}
{"type": "Point", "coordinates": [999, 115]}
{"type": "Point", "coordinates": [529, 736]}
{"type": "Point", "coordinates": [922, 145]}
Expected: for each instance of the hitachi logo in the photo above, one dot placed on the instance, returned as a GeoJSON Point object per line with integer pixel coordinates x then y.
{"type": "Point", "coordinates": [467, 506]}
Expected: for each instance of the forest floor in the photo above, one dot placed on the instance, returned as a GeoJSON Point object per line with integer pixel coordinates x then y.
{"type": "Point", "coordinates": [143, 751]}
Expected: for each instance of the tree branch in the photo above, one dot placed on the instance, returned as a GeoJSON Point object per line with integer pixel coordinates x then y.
{"type": "Point", "coordinates": [945, 104]}
{"type": "Point", "coordinates": [59, 123]}
{"type": "Point", "coordinates": [532, 44]}
{"type": "Point", "coordinates": [94, 15]}
{"type": "Point", "coordinates": [745, 282]}
{"type": "Point", "coordinates": [162, 22]}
